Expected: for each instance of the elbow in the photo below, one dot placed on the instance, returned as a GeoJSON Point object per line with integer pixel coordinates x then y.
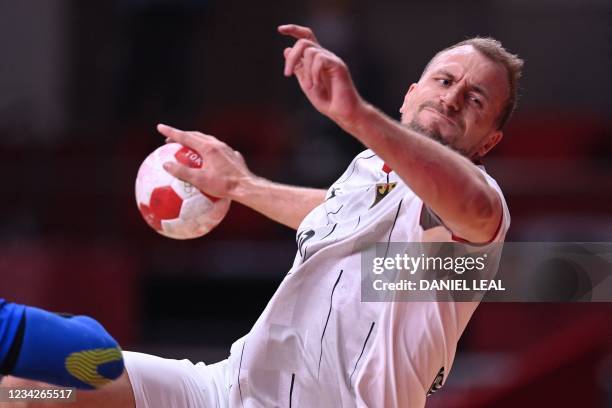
{"type": "Point", "coordinates": [487, 214]}
{"type": "Point", "coordinates": [486, 207]}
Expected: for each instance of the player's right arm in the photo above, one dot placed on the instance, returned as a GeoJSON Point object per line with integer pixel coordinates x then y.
{"type": "Point", "coordinates": [225, 174]}
{"type": "Point", "coordinates": [282, 203]}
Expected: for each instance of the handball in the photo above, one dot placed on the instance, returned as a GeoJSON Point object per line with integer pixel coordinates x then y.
{"type": "Point", "coordinates": [172, 207]}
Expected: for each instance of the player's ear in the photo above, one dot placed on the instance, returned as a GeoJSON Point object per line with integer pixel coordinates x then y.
{"type": "Point", "coordinates": [405, 104]}
{"type": "Point", "coordinates": [489, 142]}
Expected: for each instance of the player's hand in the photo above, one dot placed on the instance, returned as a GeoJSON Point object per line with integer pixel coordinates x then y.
{"type": "Point", "coordinates": [223, 169]}
{"type": "Point", "coordinates": [323, 76]}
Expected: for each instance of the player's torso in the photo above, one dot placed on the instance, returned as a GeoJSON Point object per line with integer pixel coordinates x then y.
{"type": "Point", "coordinates": [314, 335]}
{"type": "Point", "coordinates": [350, 203]}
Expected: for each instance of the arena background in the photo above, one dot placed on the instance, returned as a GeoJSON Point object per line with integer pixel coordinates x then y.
{"type": "Point", "coordinates": [82, 85]}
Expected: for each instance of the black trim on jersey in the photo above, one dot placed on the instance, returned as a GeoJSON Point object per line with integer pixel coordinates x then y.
{"type": "Point", "coordinates": [361, 354]}
{"type": "Point", "coordinates": [331, 301]}
{"type": "Point", "coordinates": [330, 232]}
{"type": "Point", "coordinates": [302, 237]}
{"type": "Point", "coordinates": [393, 226]}
{"type": "Point", "coordinates": [291, 389]}
{"type": "Point", "coordinates": [335, 212]}
{"type": "Point", "coordinates": [355, 165]}
{"type": "Point", "coordinates": [332, 194]}
{"type": "Point", "coordinates": [239, 367]}
{"type": "Point", "coordinates": [13, 354]}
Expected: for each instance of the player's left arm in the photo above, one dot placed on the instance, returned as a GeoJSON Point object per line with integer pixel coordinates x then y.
{"type": "Point", "coordinates": [447, 182]}
{"type": "Point", "coordinates": [450, 184]}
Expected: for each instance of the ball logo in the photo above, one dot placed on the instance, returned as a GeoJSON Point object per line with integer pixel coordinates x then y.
{"type": "Point", "coordinates": [189, 158]}
{"type": "Point", "coordinates": [187, 187]}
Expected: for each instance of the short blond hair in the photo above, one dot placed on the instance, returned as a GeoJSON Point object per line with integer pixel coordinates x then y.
{"type": "Point", "coordinates": [494, 50]}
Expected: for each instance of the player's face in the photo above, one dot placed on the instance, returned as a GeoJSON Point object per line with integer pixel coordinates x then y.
{"type": "Point", "coordinates": [457, 101]}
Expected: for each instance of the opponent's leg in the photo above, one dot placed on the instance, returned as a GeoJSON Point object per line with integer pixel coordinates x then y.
{"type": "Point", "coordinates": [73, 351]}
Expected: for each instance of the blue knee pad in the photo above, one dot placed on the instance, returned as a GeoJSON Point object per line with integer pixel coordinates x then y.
{"type": "Point", "coordinates": [68, 351]}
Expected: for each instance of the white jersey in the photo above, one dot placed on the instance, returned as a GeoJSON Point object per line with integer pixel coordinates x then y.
{"type": "Point", "coordinates": [316, 344]}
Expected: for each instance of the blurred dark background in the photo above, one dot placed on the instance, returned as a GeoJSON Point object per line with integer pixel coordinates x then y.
{"type": "Point", "coordinates": [83, 84]}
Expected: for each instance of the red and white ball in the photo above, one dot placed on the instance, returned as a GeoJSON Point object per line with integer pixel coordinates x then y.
{"type": "Point", "coordinates": [174, 208]}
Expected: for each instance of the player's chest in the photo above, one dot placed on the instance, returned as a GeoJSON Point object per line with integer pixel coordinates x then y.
{"type": "Point", "coordinates": [345, 201]}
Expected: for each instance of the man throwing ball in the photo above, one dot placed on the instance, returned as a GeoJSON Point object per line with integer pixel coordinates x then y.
{"type": "Point", "coordinates": [316, 344]}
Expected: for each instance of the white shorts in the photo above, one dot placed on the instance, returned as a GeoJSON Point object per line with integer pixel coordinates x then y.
{"type": "Point", "coordinates": [161, 382]}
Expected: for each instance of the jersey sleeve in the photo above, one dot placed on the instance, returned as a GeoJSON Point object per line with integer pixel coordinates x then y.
{"type": "Point", "coordinates": [504, 222]}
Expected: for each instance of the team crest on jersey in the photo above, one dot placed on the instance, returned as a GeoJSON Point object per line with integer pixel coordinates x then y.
{"type": "Point", "coordinates": [382, 189]}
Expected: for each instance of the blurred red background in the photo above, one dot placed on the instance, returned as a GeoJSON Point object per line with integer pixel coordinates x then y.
{"type": "Point", "coordinates": [83, 84]}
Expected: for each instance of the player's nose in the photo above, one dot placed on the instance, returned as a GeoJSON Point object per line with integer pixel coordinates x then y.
{"type": "Point", "coordinates": [451, 99]}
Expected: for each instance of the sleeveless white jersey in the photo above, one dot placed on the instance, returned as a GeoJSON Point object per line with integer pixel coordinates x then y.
{"type": "Point", "coordinates": [316, 344]}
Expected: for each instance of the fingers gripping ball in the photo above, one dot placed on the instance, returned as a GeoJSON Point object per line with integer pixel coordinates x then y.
{"type": "Point", "coordinates": [173, 207]}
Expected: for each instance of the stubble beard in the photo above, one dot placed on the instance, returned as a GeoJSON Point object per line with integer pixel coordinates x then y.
{"type": "Point", "coordinates": [434, 135]}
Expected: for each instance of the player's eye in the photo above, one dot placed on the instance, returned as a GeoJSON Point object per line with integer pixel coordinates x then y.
{"type": "Point", "coordinates": [475, 100]}
{"type": "Point", "coordinates": [445, 82]}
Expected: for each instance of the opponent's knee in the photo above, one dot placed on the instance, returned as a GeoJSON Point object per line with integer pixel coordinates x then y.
{"type": "Point", "coordinates": [69, 351]}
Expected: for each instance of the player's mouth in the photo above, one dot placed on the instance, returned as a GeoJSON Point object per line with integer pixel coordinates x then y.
{"type": "Point", "coordinates": [440, 114]}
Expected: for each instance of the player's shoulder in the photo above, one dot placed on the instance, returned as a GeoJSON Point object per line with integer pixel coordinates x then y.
{"type": "Point", "coordinates": [366, 152]}
{"type": "Point", "coordinates": [361, 168]}
{"type": "Point", "coordinates": [367, 159]}
{"type": "Point", "coordinates": [365, 156]}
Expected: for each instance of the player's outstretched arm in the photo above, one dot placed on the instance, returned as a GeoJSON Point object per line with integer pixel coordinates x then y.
{"type": "Point", "coordinates": [446, 181]}
{"type": "Point", "coordinates": [68, 351]}
{"type": "Point", "coordinates": [225, 174]}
